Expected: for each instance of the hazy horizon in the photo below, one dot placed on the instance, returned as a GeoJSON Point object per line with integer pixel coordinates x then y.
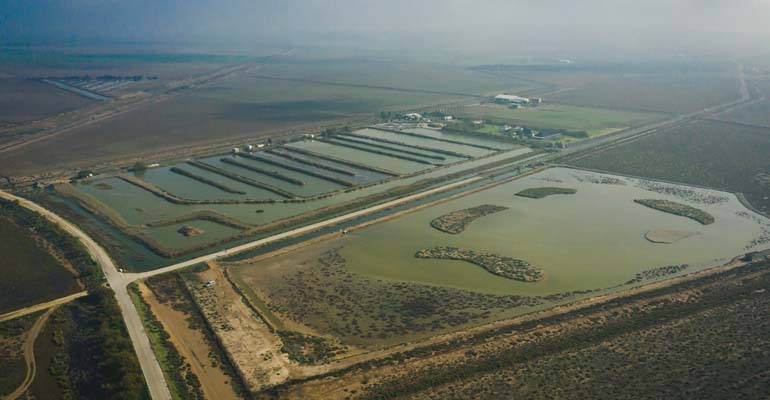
{"type": "Point", "coordinates": [609, 27]}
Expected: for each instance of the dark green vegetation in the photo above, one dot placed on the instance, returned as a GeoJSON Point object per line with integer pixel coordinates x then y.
{"type": "Point", "coordinates": [206, 181]}
{"type": "Point", "coordinates": [88, 352]}
{"type": "Point", "coordinates": [32, 274]}
{"type": "Point", "coordinates": [306, 349]}
{"type": "Point", "coordinates": [708, 153]}
{"type": "Point", "coordinates": [11, 352]}
{"type": "Point", "coordinates": [713, 345]}
{"type": "Point", "coordinates": [98, 350]}
{"type": "Point", "coordinates": [755, 112]}
{"type": "Point", "coordinates": [183, 383]}
{"type": "Point", "coordinates": [51, 366]}
{"type": "Point", "coordinates": [505, 267]}
{"type": "Point", "coordinates": [539, 193]}
{"type": "Point", "coordinates": [657, 273]}
{"type": "Point", "coordinates": [274, 174]}
{"type": "Point", "coordinates": [750, 114]}
{"type": "Point", "coordinates": [675, 208]}
{"type": "Point", "coordinates": [362, 310]}
{"type": "Point", "coordinates": [457, 221]}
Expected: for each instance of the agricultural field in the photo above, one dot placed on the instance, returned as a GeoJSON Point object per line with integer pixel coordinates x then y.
{"type": "Point", "coordinates": [237, 108]}
{"type": "Point", "coordinates": [754, 112]}
{"type": "Point", "coordinates": [372, 288]}
{"type": "Point", "coordinates": [665, 94]}
{"type": "Point", "coordinates": [407, 76]}
{"type": "Point", "coordinates": [163, 213]}
{"type": "Point", "coordinates": [646, 87]}
{"type": "Point", "coordinates": [751, 114]}
{"type": "Point", "coordinates": [708, 153]}
{"type": "Point", "coordinates": [594, 121]}
{"type": "Point", "coordinates": [23, 100]}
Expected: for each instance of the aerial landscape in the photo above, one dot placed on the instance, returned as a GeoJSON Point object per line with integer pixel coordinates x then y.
{"type": "Point", "coordinates": [367, 200]}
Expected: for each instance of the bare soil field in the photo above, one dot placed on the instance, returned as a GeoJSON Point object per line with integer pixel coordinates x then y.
{"type": "Point", "coordinates": [172, 125]}
{"type": "Point", "coordinates": [185, 333]}
{"type": "Point", "coordinates": [240, 108]}
{"type": "Point", "coordinates": [253, 349]}
{"type": "Point", "coordinates": [23, 100]}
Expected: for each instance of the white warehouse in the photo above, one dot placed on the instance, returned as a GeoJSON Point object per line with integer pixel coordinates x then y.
{"type": "Point", "coordinates": [509, 98]}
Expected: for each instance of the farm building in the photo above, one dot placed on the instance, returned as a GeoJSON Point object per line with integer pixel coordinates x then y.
{"type": "Point", "coordinates": [509, 98]}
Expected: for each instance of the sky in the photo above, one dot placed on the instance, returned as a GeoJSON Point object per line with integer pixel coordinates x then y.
{"type": "Point", "coordinates": [483, 23]}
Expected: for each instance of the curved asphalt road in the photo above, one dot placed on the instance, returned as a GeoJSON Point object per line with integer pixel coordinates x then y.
{"type": "Point", "coordinates": [150, 366]}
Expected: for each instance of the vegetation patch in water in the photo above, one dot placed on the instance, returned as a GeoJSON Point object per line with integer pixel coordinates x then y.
{"type": "Point", "coordinates": [539, 193]}
{"type": "Point", "coordinates": [190, 231]}
{"type": "Point", "coordinates": [457, 221]}
{"type": "Point", "coordinates": [657, 273]}
{"type": "Point", "coordinates": [502, 266]}
{"type": "Point", "coordinates": [675, 208]}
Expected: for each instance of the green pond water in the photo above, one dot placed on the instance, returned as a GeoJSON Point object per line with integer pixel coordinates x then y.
{"type": "Point", "coordinates": [312, 186]}
{"type": "Point", "coordinates": [170, 236]}
{"type": "Point", "coordinates": [462, 138]}
{"type": "Point", "coordinates": [424, 155]}
{"type": "Point", "coordinates": [417, 141]}
{"type": "Point", "coordinates": [188, 188]}
{"type": "Point", "coordinates": [590, 240]}
{"type": "Point", "coordinates": [392, 164]}
{"type": "Point", "coordinates": [140, 207]}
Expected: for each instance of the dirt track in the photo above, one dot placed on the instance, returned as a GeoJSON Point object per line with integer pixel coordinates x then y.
{"type": "Point", "coordinates": [153, 374]}
{"type": "Point", "coordinates": [29, 354]}
{"type": "Point", "coordinates": [42, 306]}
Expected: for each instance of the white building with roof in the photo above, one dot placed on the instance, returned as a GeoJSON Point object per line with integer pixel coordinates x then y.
{"type": "Point", "coordinates": [510, 98]}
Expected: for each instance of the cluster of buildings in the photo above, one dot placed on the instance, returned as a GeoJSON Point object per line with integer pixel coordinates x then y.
{"type": "Point", "coordinates": [248, 148]}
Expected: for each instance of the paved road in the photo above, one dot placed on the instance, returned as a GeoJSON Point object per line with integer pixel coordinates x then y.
{"type": "Point", "coordinates": [42, 306]}
{"type": "Point", "coordinates": [130, 277]}
{"type": "Point", "coordinates": [150, 366]}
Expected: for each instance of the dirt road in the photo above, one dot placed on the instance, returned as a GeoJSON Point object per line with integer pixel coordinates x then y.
{"type": "Point", "coordinates": [29, 354]}
{"type": "Point", "coordinates": [42, 306]}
